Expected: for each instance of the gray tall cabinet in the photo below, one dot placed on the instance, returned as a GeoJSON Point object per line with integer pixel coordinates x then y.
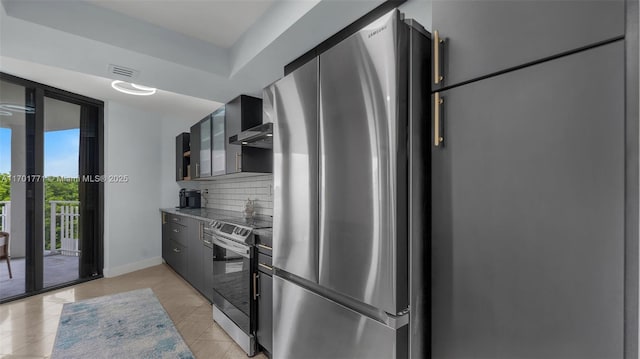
{"type": "Point", "coordinates": [528, 180]}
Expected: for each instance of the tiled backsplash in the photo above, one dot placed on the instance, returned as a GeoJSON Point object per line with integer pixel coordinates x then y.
{"type": "Point", "coordinates": [231, 194]}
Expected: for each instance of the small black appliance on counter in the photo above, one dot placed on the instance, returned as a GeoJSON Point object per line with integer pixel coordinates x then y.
{"type": "Point", "coordinates": [189, 198]}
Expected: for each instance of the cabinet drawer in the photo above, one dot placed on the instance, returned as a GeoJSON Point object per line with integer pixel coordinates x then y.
{"type": "Point", "coordinates": [264, 241]}
{"type": "Point", "coordinates": [265, 263]}
{"type": "Point", "coordinates": [178, 233]}
{"type": "Point", "coordinates": [177, 257]}
{"type": "Point", "coordinates": [172, 218]}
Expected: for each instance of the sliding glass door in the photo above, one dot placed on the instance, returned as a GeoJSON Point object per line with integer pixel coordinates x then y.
{"type": "Point", "coordinates": [61, 192]}
{"type": "Point", "coordinates": [13, 150]}
{"type": "Point", "coordinates": [50, 140]}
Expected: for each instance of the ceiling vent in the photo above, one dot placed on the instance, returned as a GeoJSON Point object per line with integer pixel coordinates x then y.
{"type": "Point", "coordinates": [121, 72]}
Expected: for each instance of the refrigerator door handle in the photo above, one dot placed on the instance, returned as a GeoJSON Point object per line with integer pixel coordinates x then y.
{"type": "Point", "coordinates": [438, 137]}
{"type": "Point", "coordinates": [437, 44]}
{"type": "Point", "coordinates": [397, 321]}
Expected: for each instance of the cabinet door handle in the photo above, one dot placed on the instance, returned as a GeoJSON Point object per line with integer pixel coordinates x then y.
{"type": "Point", "coordinates": [438, 139]}
{"type": "Point", "coordinates": [164, 218]}
{"type": "Point", "coordinates": [197, 171]}
{"type": "Point", "coordinates": [437, 43]}
{"type": "Point", "coordinates": [207, 242]}
{"type": "Point", "coordinates": [265, 247]}
{"type": "Point", "coordinates": [177, 250]}
{"type": "Point", "coordinates": [180, 171]}
{"type": "Point", "coordinates": [255, 286]}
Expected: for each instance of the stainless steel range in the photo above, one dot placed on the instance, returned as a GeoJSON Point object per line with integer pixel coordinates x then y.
{"type": "Point", "coordinates": [234, 264]}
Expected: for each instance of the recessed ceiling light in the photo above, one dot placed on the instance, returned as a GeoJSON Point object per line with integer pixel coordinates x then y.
{"type": "Point", "coordinates": [132, 89]}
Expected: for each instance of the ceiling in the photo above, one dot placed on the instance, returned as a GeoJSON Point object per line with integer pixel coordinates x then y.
{"type": "Point", "coordinates": [218, 22]}
{"type": "Point", "coordinates": [164, 103]}
{"type": "Point", "coordinates": [201, 50]}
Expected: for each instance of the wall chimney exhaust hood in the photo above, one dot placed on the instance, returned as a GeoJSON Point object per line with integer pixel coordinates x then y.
{"type": "Point", "coordinates": [260, 136]}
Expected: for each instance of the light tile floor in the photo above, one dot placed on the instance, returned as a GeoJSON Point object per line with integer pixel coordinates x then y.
{"type": "Point", "coordinates": [28, 327]}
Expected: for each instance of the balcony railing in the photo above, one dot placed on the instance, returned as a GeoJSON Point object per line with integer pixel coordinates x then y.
{"type": "Point", "coordinates": [5, 216]}
{"type": "Point", "coordinates": [67, 215]}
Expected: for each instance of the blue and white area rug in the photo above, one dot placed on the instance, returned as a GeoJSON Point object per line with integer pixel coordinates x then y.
{"type": "Point", "coordinates": [126, 325]}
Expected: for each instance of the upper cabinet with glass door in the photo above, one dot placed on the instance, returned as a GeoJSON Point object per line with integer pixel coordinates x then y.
{"type": "Point", "coordinates": [201, 149]}
{"type": "Point", "coordinates": [211, 152]}
{"type": "Point", "coordinates": [481, 37]}
{"type": "Point", "coordinates": [218, 139]}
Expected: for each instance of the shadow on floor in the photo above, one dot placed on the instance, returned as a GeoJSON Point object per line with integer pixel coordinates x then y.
{"type": "Point", "coordinates": [58, 269]}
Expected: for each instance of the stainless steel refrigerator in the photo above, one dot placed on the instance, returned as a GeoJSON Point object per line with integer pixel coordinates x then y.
{"type": "Point", "coordinates": [350, 166]}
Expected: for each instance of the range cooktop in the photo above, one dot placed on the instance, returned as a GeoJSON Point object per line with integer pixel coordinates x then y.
{"type": "Point", "coordinates": [254, 223]}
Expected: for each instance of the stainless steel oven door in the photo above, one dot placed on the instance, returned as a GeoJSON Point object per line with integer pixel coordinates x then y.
{"type": "Point", "coordinates": [232, 246]}
{"type": "Point", "coordinates": [232, 280]}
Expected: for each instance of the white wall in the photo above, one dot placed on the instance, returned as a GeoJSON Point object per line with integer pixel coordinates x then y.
{"type": "Point", "coordinates": [132, 226]}
{"type": "Point", "coordinates": [141, 145]}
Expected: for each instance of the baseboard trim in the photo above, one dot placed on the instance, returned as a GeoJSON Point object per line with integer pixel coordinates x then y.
{"type": "Point", "coordinates": [132, 267]}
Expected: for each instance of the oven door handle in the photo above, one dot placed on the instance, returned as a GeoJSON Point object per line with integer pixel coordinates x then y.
{"type": "Point", "coordinates": [235, 248]}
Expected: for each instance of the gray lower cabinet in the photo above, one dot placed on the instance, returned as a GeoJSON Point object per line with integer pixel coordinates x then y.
{"type": "Point", "coordinates": [528, 212]}
{"type": "Point", "coordinates": [178, 258]}
{"type": "Point", "coordinates": [174, 243]}
{"type": "Point", "coordinates": [195, 272]}
{"type": "Point", "coordinates": [207, 259]}
{"type": "Point", "coordinates": [486, 36]}
{"type": "Point", "coordinates": [166, 247]}
{"type": "Point", "coordinates": [265, 312]}
{"type": "Point", "coordinates": [264, 328]}
{"type": "Point", "coordinates": [184, 250]}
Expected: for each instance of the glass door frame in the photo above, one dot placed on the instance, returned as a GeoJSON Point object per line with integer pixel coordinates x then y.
{"type": "Point", "coordinates": [34, 202]}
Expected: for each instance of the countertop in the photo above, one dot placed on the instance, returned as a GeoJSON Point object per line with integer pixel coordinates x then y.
{"type": "Point", "coordinates": [209, 214]}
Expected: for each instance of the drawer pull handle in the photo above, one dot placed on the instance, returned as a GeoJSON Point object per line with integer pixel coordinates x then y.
{"type": "Point", "coordinates": [265, 247]}
{"type": "Point", "coordinates": [265, 266]}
